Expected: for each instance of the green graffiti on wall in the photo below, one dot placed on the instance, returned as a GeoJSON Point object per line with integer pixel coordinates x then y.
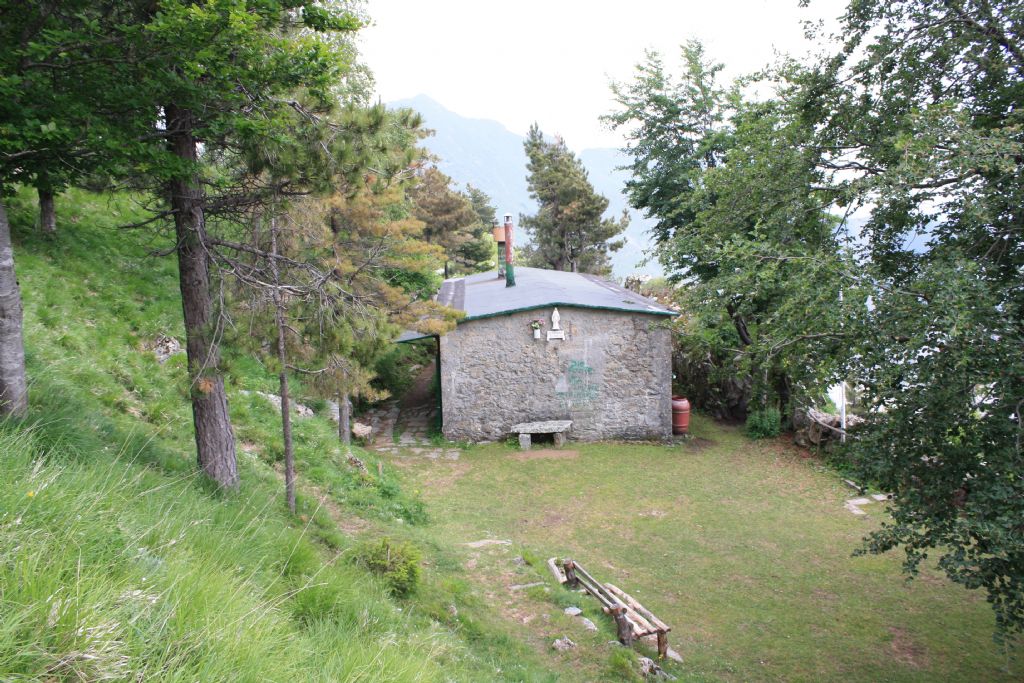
{"type": "Point", "coordinates": [581, 386]}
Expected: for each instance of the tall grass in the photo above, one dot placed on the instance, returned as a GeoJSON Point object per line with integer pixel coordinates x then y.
{"type": "Point", "coordinates": [111, 570]}
{"type": "Point", "coordinates": [118, 563]}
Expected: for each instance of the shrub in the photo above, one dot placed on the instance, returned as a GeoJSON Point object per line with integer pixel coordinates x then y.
{"type": "Point", "coordinates": [395, 371]}
{"type": "Point", "coordinates": [622, 665]}
{"type": "Point", "coordinates": [398, 563]}
{"type": "Point", "coordinates": [764, 424]}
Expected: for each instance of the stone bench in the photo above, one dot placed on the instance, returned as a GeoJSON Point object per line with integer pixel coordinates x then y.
{"type": "Point", "coordinates": [526, 430]}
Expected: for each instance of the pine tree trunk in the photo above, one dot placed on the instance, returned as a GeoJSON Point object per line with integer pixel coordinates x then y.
{"type": "Point", "coordinates": [286, 416]}
{"type": "Point", "coordinates": [344, 419]}
{"type": "Point", "coordinates": [282, 358]}
{"type": "Point", "coordinates": [13, 386]}
{"type": "Point", "coordinates": [47, 213]}
{"type": "Point", "coordinates": [215, 440]}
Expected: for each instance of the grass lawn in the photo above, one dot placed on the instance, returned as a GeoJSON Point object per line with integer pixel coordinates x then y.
{"type": "Point", "coordinates": [743, 547]}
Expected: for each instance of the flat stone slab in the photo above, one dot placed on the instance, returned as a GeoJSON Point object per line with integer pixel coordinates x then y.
{"type": "Point", "coordinates": [858, 501]}
{"type": "Point", "coordinates": [854, 509]}
{"type": "Point", "coordinates": [880, 496]}
{"type": "Point", "coordinates": [486, 542]}
{"type": "Point", "coordinates": [547, 427]}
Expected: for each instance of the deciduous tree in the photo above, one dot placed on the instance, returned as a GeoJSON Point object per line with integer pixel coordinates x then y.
{"type": "Point", "coordinates": [921, 113]}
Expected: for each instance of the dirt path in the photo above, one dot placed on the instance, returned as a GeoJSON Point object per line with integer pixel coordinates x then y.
{"type": "Point", "coordinates": [417, 408]}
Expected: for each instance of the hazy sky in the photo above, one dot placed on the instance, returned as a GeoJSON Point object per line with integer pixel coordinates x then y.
{"type": "Point", "coordinates": [550, 61]}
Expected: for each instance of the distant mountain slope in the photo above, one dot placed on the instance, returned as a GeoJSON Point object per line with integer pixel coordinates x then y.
{"type": "Point", "coordinates": [489, 156]}
{"type": "Point", "coordinates": [477, 151]}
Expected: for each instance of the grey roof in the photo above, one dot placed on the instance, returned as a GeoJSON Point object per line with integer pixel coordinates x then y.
{"type": "Point", "coordinates": [484, 295]}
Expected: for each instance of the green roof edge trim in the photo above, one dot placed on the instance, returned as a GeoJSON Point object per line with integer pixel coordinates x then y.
{"type": "Point", "coordinates": [567, 305]}
{"type": "Point", "coordinates": [535, 308]}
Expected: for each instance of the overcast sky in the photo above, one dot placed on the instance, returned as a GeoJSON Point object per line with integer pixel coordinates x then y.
{"type": "Point", "coordinates": [550, 61]}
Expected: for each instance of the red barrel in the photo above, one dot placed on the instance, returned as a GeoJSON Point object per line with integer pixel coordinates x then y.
{"type": "Point", "coordinates": [680, 415]}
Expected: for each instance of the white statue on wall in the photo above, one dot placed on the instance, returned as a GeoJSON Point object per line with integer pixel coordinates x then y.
{"type": "Point", "coordinates": [555, 332]}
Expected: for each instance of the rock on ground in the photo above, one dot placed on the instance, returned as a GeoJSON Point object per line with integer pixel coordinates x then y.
{"type": "Point", "coordinates": [650, 669]}
{"type": "Point", "coordinates": [163, 347]}
{"type": "Point", "coordinates": [275, 400]}
{"type": "Point", "coordinates": [563, 644]}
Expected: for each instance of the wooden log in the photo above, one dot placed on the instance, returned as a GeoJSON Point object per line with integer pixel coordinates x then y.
{"type": "Point", "coordinates": [570, 573]}
{"type": "Point", "coordinates": [644, 627]}
{"type": "Point", "coordinates": [635, 605]}
{"type": "Point", "coordinates": [662, 644]}
{"type": "Point", "coordinates": [623, 625]}
{"type": "Point", "coordinates": [555, 571]}
{"type": "Point", "coordinates": [606, 601]}
{"type": "Point", "coordinates": [599, 587]}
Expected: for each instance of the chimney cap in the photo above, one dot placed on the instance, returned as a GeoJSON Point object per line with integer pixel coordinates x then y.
{"type": "Point", "coordinates": [508, 218]}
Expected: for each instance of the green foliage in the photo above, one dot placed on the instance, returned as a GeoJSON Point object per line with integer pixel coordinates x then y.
{"type": "Point", "coordinates": [623, 665]}
{"type": "Point", "coordinates": [397, 367]}
{"type": "Point", "coordinates": [932, 118]}
{"type": "Point", "coordinates": [734, 186]}
{"type": "Point", "coordinates": [396, 562]}
{"type": "Point", "coordinates": [123, 564]}
{"type": "Point", "coordinates": [481, 252]}
{"type": "Point", "coordinates": [569, 231]}
{"type": "Point", "coordinates": [920, 128]}
{"type": "Point", "coordinates": [674, 130]}
{"type": "Point", "coordinates": [450, 220]}
{"type": "Point", "coordinates": [765, 423]}
{"type": "Point", "coordinates": [60, 80]}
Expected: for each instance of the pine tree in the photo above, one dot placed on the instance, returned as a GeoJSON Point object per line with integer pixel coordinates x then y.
{"type": "Point", "coordinates": [478, 253]}
{"type": "Point", "coordinates": [448, 217]}
{"type": "Point", "coordinates": [569, 231]}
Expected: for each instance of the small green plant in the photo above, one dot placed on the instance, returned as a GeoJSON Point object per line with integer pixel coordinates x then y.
{"type": "Point", "coordinates": [622, 664]}
{"type": "Point", "coordinates": [398, 563]}
{"type": "Point", "coordinates": [764, 424]}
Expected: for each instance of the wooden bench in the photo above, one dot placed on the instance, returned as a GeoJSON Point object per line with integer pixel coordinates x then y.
{"type": "Point", "coordinates": [526, 430]}
{"type": "Point", "coordinates": [632, 620]}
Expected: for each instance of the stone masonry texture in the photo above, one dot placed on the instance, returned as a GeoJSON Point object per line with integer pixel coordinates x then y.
{"type": "Point", "coordinates": [611, 375]}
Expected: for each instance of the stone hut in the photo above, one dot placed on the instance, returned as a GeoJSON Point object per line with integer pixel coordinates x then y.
{"type": "Point", "coordinates": [556, 346]}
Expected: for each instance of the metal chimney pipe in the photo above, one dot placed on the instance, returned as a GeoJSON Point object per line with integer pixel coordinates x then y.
{"type": "Point", "coordinates": [510, 273]}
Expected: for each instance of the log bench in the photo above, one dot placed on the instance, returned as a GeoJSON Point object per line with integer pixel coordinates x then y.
{"type": "Point", "coordinates": [526, 430]}
{"type": "Point", "coordinates": [632, 620]}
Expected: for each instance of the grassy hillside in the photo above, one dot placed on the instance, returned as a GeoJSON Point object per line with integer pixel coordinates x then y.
{"type": "Point", "coordinates": [118, 563]}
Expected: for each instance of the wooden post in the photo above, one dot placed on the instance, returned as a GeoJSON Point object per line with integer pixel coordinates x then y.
{"type": "Point", "coordinates": [570, 574]}
{"type": "Point", "coordinates": [662, 644]}
{"type": "Point", "coordinates": [625, 628]}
